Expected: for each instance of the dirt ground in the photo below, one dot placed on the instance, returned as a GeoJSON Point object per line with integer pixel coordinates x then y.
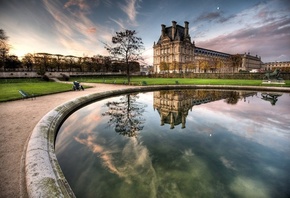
{"type": "Point", "coordinates": [17, 120]}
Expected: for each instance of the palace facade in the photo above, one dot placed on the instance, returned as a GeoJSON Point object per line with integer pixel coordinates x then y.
{"type": "Point", "coordinates": [175, 52]}
{"type": "Point", "coordinates": [284, 65]}
{"type": "Point", "coordinates": [251, 63]}
{"type": "Point", "coordinates": [173, 47]}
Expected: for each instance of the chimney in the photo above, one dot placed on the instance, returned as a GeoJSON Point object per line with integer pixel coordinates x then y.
{"type": "Point", "coordinates": [173, 29]}
{"type": "Point", "coordinates": [162, 30]}
{"type": "Point", "coordinates": [186, 29]}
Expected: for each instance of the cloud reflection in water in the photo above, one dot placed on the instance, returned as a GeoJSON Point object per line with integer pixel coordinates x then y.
{"type": "Point", "coordinates": [224, 150]}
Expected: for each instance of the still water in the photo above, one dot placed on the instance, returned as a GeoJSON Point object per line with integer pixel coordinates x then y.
{"type": "Point", "coordinates": [189, 143]}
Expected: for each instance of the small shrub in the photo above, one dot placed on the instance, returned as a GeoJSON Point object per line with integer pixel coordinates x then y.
{"type": "Point", "coordinates": [65, 77]}
{"type": "Point", "coordinates": [41, 71]}
{"type": "Point", "coordinates": [45, 78]}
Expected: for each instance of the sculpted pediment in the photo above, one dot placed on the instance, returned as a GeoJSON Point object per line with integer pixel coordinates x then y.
{"type": "Point", "coordinates": [165, 38]}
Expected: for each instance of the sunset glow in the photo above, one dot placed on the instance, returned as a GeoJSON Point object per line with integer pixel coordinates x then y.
{"type": "Point", "coordinates": [81, 27]}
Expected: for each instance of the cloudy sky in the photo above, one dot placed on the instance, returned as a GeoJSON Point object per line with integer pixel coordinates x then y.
{"type": "Point", "coordinates": [80, 27]}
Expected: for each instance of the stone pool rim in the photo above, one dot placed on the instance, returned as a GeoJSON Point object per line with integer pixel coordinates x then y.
{"type": "Point", "coordinates": [44, 177]}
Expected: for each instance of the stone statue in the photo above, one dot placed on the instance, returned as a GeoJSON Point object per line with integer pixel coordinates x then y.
{"type": "Point", "coordinates": [275, 75]}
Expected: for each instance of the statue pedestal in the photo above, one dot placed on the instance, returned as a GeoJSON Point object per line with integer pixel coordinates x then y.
{"type": "Point", "coordinates": [282, 82]}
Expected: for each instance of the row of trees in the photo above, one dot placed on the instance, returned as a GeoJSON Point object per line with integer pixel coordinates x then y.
{"type": "Point", "coordinates": [125, 51]}
{"type": "Point", "coordinates": [283, 69]}
{"type": "Point", "coordinates": [42, 62]}
{"type": "Point", "coordinates": [198, 66]}
{"type": "Point", "coordinates": [4, 47]}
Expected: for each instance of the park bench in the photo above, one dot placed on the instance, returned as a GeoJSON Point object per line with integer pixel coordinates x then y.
{"type": "Point", "coordinates": [26, 95]}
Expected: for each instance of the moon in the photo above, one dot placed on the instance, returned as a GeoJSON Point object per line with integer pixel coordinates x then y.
{"type": "Point", "coordinates": [218, 8]}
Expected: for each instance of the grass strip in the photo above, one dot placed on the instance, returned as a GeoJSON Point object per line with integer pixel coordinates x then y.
{"type": "Point", "coordinates": [172, 81]}
{"type": "Point", "coordinates": [9, 89]}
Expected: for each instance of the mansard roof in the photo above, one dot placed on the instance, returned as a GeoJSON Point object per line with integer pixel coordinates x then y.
{"type": "Point", "coordinates": [178, 36]}
{"type": "Point", "coordinates": [199, 50]}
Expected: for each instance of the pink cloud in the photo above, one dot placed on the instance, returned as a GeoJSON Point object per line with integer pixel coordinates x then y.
{"type": "Point", "coordinates": [81, 4]}
{"type": "Point", "coordinates": [91, 30]}
{"type": "Point", "coordinates": [258, 40]}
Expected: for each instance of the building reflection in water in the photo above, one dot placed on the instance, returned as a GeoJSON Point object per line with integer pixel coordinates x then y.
{"type": "Point", "coordinates": [173, 105]}
{"type": "Point", "coordinates": [248, 144]}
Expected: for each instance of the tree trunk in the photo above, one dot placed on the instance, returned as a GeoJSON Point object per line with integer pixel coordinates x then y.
{"type": "Point", "coordinates": [128, 71]}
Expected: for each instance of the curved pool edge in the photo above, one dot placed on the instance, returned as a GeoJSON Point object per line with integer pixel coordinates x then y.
{"type": "Point", "coordinates": [44, 177]}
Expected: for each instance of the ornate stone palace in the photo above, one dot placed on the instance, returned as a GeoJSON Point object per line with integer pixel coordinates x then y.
{"type": "Point", "coordinates": [174, 52]}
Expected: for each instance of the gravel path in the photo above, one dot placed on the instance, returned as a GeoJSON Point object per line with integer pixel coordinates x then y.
{"type": "Point", "coordinates": [18, 119]}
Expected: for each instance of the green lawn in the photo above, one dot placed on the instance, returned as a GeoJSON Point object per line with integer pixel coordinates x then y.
{"type": "Point", "coordinates": [172, 81]}
{"type": "Point", "coordinates": [9, 88]}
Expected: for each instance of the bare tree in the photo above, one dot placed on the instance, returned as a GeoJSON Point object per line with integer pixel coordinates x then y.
{"type": "Point", "coordinates": [126, 48]}
{"type": "Point", "coordinates": [42, 61]}
{"type": "Point", "coordinates": [204, 65]}
{"type": "Point", "coordinates": [191, 66]}
{"type": "Point", "coordinates": [58, 61]}
{"type": "Point", "coordinates": [236, 61]}
{"type": "Point", "coordinates": [28, 61]}
{"type": "Point", "coordinates": [70, 62]}
{"type": "Point", "coordinates": [174, 66]}
{"type": "Point", "coordinates": [4, 48]}
{"type": "Point", "coordinates": [126, 115]}
{"type": "Point", "coordinates": [12, 63]}
{"type": "Point", "coordinates": [164, 67]}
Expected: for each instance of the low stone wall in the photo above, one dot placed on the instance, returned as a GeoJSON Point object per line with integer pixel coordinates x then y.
{"type": "Point", "coordinates": [19, 75]}
{"type": "Point", "coordinates": [33, 74]}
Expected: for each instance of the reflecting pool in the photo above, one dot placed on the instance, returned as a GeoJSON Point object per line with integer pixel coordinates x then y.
{"type": "Point", "coordinates": [179, 143]}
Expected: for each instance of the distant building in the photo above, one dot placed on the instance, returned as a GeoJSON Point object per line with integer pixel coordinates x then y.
{"type": "Point", "coordinates": [145, 69]}
{"type": "Point", "coordinates": [207, 60]}
{"type": "Point", "coordinates": [281, 65]}
{"type": "Point", "coordinates": [174, 47]}
{"type": "Point", "coordinates": [174, 52]}
{"type": "Point", "coordinates": [251, 63]}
